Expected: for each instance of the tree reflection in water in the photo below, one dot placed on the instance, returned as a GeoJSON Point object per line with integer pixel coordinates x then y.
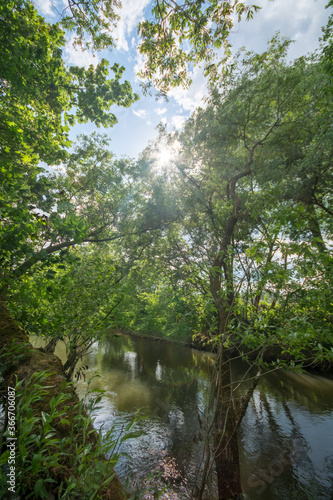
{"type": "Point", "coordinates": [285, 439]}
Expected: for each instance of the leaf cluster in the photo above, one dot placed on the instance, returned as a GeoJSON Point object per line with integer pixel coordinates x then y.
{"type": "Point", "coordinates": [181, 35]}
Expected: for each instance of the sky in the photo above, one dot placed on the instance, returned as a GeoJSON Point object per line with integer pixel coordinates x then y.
{"type": "Point", "coordinates": [300, 20]}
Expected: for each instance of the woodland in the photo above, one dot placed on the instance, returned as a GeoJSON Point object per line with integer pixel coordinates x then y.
{"type": "Point", "coordinates": [227, 247]}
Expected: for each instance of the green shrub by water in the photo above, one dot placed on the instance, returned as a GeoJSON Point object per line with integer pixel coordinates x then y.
{"type": "Point", "coordinates": [70, 464]}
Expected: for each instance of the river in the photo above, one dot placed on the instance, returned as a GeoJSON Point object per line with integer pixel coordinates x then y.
{"type": "Point", "coordinates": [285, 439]}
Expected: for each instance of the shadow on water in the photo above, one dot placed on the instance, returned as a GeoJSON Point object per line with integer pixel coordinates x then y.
{"type": "Point", "coordinates": [286, 437]}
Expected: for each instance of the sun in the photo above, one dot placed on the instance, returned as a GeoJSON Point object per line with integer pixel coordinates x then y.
{"type": "Point", "coordinates": [166, 155]}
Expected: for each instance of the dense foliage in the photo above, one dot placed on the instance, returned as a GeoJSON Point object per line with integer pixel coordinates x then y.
{"type": "Point", "coordinates": [251, 179]}
{"type": "Point", "coordinates": [40, 99]}
{"type": "Point", "coordinates": [181, 35]}
{"type": "Point", "coordinates": [231, 229]}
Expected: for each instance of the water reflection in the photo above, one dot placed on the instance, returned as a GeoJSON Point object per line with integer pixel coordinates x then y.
{"type": "Point", "coordinates": [170, 384]}
{"type": "Point", "coordinates": [293, 416]}
{"type": "Point", "coordinates": [286, 437]}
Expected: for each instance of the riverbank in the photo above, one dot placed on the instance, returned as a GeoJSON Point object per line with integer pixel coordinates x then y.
{"type": "Point", "coordinates": [200, 346]}
{"type": "Point", "coordinates": [271, 354]}
{"type": "Point", "coordinates": [57, 449]}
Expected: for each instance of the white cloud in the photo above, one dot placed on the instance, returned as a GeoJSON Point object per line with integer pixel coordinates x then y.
{"type": "Point", "coordinates": [190, 99]}
{"type": "Point", "coordinates": [130, 14]}
{"type": "Point", "coordinates": [140, 64]}
{"type": "Point", "coordinates": [140, 113]}
{"type": "Point", "coordinates": [133, 42]}
{"type": "Point", "coordinates": [300, 20]}
{"type": "Point", "coordinates": [164, 121]}
{"type": "Point", "coordinates": [160, 111]}
{"type": "Point", "coordinates": [78, 56]}
{"type": "Point", "coordinates": [178, 121]}
{"type": "Point", "coordinates": [45, 7]}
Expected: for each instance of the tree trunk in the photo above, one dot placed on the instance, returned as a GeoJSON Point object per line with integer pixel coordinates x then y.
{"type": "Point", "coordinates": [50, 347]}
{"type": "Point", "coordinates": [70, 364]}
{"type": "Point", "coordinates": [226, 419]}
{"type": "Point", "coordinates": [225, 438]}
{"type": "Point", "coordinates": [315, 229]}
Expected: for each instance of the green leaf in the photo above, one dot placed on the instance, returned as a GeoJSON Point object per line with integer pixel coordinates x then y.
{"type": "Point", "coordinates": [45, 417]}
{"type": "Point", "coordinates": [131, 435]}
{"type": "Point", "coordinates": [36, 463]}
{"type": "Point", "coordinates": [39, 489]}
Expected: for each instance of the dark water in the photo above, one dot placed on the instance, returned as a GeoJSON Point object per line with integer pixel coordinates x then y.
{"type": "Point", "coordinates": [286, 437]}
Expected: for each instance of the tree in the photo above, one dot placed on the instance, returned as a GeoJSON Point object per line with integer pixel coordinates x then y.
{"type": "Point", "coordinates": [238, 226]}
{"type": "Point", "coordinates": [40, 99]}
{"type": "Point", "coordinates": [95, 18]}
{"type": "Point", "coordinates": [72, 299]}
{"type": "Point", "coordinates": [174, 38]}
{"type": "Point", "coordinates": [160, 297]}
{"type": "Point", "coordinates": [182, 35]}
{"type": "Point", "coordinates": [35, 75]}
{"type": "Point", "coordinates": [94, 200]}
{"type": "Point", "coordinates": [53, 198]}
{"type": "Point", "coordinates": [61, 210]}
{"type": "Point", "coordinates": [244, 165]}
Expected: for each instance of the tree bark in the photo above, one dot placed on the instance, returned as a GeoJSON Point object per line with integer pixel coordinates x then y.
{"type": "Point", "coordinates": [315, 228]}
{"type": "Point", "coordinates": [50, 347]}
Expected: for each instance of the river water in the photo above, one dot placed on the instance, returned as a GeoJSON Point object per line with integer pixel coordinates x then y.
{"type": "Point", "coordinates": [285, 439]}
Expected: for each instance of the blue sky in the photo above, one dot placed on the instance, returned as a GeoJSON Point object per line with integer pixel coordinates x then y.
{"type": "Point", "coordinates": [301, 20]}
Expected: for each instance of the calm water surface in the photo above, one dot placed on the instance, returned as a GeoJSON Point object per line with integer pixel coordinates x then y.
{"type": "Point", "coordinates": [285, 440]}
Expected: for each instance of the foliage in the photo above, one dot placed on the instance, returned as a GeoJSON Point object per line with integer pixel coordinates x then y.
{"type": "Point", "coordinates": [72, 299]}
{"type": "Point", "coordinates": [232, 243]}
{"type": "Point", "coordinates": [328, 42]}
{"type": "Point", "coordinates": [52, 212]}
{"type": "Point", "coordinates": [94, 18]}
{"type": "Point", "coordinates": [40, 95]}
{"type": "Point", "coordinates": [182, 35]}
{"type": "Point", "coordinates": [40, 99]}
{"type": "Point", "coordinates": [252, 177]}
{"type": "Point", "coordinates": [157, 301]}
{"type": "Point", "coordinates": [301, 321]}
{"type": "Point", "coordinates": [72, 464]}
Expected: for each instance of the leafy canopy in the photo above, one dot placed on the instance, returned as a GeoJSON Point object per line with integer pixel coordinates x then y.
{"type": "Point", "coordinates": [40, 99]}
{"type": "Point", "coordinates": [181, 35]}
{"type": "Point", "coordinates": [95, 18]}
